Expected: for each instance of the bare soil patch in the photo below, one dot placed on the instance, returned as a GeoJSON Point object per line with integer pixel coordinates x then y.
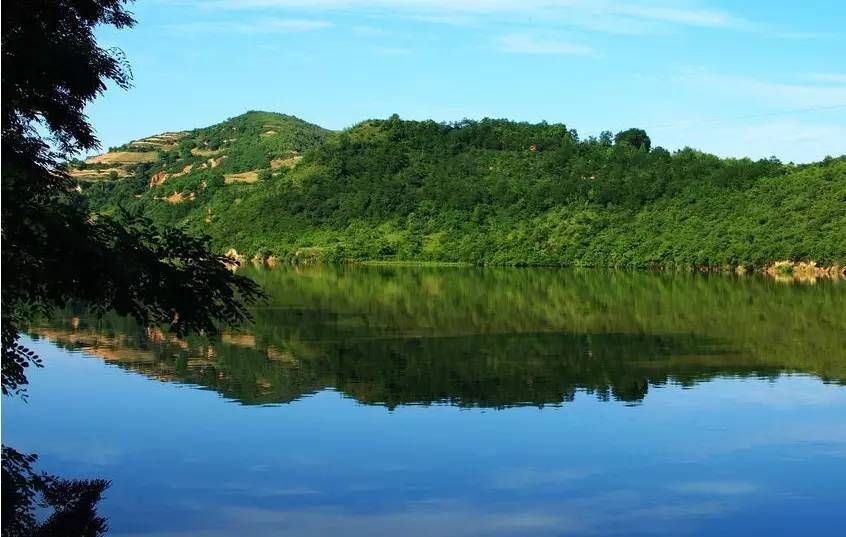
{"type": "Point", "coordinates": [124, 157]}
{"type": "Point", "coordinates": [243, 177]}
{"type": "Point", "coordinates": [289, 162]}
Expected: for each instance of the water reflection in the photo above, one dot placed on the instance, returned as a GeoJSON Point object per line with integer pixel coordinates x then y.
{"type": "Point", "coordinates": [487, 337]}
{"type": "Point", "coordinates": [756, 447]}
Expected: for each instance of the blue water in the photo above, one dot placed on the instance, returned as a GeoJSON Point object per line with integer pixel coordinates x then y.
{"type": "Point", "coordinates": [729, 457]}
{"type": "Point", "coordinates": [459, 402]}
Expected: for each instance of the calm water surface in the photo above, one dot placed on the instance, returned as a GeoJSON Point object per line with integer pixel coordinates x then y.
{"type": "Point", "coordinates": [415, 401]}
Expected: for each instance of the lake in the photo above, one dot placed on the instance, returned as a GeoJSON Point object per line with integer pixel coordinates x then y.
{"type": "Point", "coordinates": [415, 401]}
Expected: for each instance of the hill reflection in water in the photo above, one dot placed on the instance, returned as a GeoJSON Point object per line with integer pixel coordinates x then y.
{"type": "Point", "coordinates": [486, 337]}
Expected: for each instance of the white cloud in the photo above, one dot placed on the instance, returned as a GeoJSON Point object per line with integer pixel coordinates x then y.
{"type": "Point", "coordinates": [834, 78]}
{"type": "Point", "coordinates": [789, 139]}
{"type": "Point", "coordinates": [588, 13]}
{"type": "Point", "coordinates": [369, 31]}
{"type": "Point", "coordinates": [407, 5]}
{"type": "Point", "coordinates": [534, 478]}
{"type": "Point", "coordinates": [691, 17]}
{"type": "Point", "coordinates": [716, 488]}
{"type": "Point", "coordinates": [832, 93]}
{"type": "Point", "coordinates": [794, 121]}
{"type": "Point", "coordinates": [265, 25]}
{"type": "Point", "coordinates": [415, 520]}
{"type": "Point", "coordinates": [528, 44]}
{"type": "Point", "coordinates": [393, 51]}
{"type": "Point", "coordinates": [801, 35]}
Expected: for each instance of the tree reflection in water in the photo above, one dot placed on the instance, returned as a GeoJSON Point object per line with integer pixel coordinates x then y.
{"type": "Point", "coordinates": [488, 338]}
{"type": "Point", "coordinates": [71, 503]}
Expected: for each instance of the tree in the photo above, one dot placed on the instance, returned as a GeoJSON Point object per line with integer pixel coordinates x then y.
{"type": "Point", "coordinates": [53, 250]}
{"type": "Point", "coordinates": [636, 138]}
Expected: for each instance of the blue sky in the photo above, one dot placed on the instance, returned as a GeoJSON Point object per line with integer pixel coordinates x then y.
{"type": "Point", "coordinates": [753, 78]}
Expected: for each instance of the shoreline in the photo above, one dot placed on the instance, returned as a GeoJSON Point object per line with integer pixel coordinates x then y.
{"type": "Point", "coordinates": [784, 270]}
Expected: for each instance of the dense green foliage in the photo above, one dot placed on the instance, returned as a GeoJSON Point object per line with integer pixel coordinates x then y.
{"type": "Point", "coordinates": [54, 251]}
{"type": "Point", "coordinates": [500, 192]}
{"type": "Point", "coordinates": [245, 143]}
{"type": "Point", "coordinates": [636, 138]}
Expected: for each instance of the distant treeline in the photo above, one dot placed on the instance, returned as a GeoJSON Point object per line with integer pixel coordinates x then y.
{"type": "Point", "coordinates": [489, 192]}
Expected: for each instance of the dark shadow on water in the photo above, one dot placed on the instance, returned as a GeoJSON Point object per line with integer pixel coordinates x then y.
{"type": "Point", "coordinates": [36, 504]}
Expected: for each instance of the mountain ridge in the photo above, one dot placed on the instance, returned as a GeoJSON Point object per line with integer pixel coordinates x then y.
{"type": "Point", "coordinates": [484, 192]}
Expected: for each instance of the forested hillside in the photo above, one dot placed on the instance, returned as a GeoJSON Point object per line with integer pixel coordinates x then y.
{"type": "Point", "coordinates": [486, 192]}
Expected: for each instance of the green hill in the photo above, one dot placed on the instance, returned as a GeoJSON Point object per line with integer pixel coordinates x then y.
{"type": "Point", "coordinates": [486, 192]}
{"type": "Point", "coordinates": [237, 150]}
